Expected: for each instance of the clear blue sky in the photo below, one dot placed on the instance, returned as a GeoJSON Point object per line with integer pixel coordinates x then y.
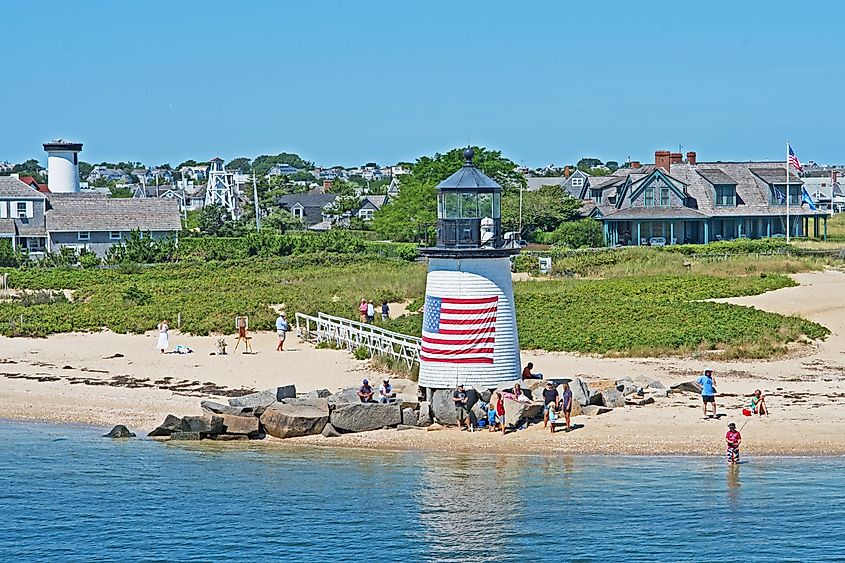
{"type": "Point", "coordinates": [350, 82]}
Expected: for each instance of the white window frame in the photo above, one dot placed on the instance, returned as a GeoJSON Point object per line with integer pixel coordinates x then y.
{"type": "Point", "coordinates": [298, 212]}
{"type": "Point", "coordinates": [113, 237]}
{"type": "Point", "coordinates": [18, 213]}
{"type": "Point", "coordinates": [577, 182]}
{"type": "Point", "coordinates": [83, 235]}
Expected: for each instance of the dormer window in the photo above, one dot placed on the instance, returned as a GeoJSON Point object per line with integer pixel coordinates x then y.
{"type": "Point", "coordinates": [21, 210]}
{"type": "Point", "coordinates": [726, 196]}
{"type": "Point", "coordinates": [577, 182]}
{"type": "Point", "coordinates": [648, 197]}
{"type": "Point", "coordinates": [595, 195]}
{"type": "Point", "coordinates": [664, 197]}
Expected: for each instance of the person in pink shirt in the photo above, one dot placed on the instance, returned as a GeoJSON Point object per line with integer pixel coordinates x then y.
{"type": "Point", "coordinates": [733, 439]}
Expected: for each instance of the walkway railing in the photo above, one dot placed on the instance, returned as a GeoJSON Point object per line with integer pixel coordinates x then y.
{"type": "Point", "coordinates": [349, 334]}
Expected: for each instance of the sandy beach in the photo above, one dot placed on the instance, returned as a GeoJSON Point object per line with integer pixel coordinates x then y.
{"type": "Point", "coordinates": [105, 378]}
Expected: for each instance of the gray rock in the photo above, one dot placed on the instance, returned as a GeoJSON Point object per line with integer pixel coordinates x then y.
{"type": "Point", "coordinates": [424, 417]}
{"type": "Point", "coordinates": [212, 407]}
{"type": "Point", "coordinates": [170, 425]}
{"type": "Point", "coordinates": [518, 413]}
{"type": "Point", "coordinates": [639, 401]}
{"type": "Point", "coordinates": [344, 396]}
{"type": "Point", "coordinates": [594, 410]}
{"type": "Point", "coordinates": [659, 393]}
{"type": "Point", "coordinates": [626, 386]}
{"type": "Point", "coordinates": [472, 397]}
{"type": "Point", "coordinates": [119, 431]}
{"type": "Point", "coordinates": [477, 413]}
{"type": "Point", "coordinates": [329, 431]}
{"type": "Point", "coordinates": [654, 384]}
{"type": "Point", "coordinates": [318, 394]}
{"type": "Point", "coordinates": [484, 395]}
{"type": "Point", "coordinates": [363, 417]}
{"type": "Point", "coordinates": [207, 424]}
{"type": "Point", "coordinates": [264, 398]}
{"type": "Point", "coordinates": [409, 417]}
{"type": "Point", "coordinates": [687, 387]}
{"type": "Point", "coordinates": [245, 425]}
{"type": "Point", "coordinates": [228, 437]}
{"type": "Point", "coordinates": [443, 407]}
{"type": "Point", "coordinates": [580, 391]}
{"type": "Point", "coordinates": [185, 435]}
{"type": "Point", "coordinates": [612, 398]}
{"type": "Point", "coordinates": [295, 417]}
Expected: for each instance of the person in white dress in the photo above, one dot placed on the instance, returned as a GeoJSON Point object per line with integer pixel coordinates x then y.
{"type": "Point", "coordinates": [163, 337]}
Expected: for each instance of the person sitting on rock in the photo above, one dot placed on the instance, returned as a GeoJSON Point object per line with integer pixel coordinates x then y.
{"type": "Point", "coordinates": [518, 395]}
{"type": "Point", "coordinates": [385, 392]}
{"type": "Point", "coordinates": [459, 397]}
{"type": "Point", "coordinates": [365, 392]}
{"type": "Point", "coordinates": [527, 372]}
{"type": "Point", "coordinates": [758, 403]}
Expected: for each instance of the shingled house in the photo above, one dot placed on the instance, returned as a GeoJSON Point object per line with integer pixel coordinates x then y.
{"type": "Point", "coordinates": [41, 222]}
{"type": "Point", "coordinates": [677, 201]}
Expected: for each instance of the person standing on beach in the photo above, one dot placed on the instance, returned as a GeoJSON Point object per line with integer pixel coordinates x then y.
{"type": "Point", "coordinates": [708, 391]}
{"type": "Point", "coordinates": [371, 312]}
{"type": "Point", "coordinates": [550, 404]}
{"type": "Point", "coordinates": [459, 397]}
{"type": "Point", "coordinates": [163, 336]}
{"type": "Point", "coordinates": [362, 308]}
{"type": "Point", "coordinates": [282, 328]}
{"type": "Point", "coordinates": [566, 402]}
{"type": "Point", "coordinates": [385, 311]}
{"type": "Point", "coordinates": [500, 411]}
{"type": "Point", "coordinates": [733, 439]}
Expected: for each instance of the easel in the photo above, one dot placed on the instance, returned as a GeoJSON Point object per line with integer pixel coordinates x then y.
{"type": "Point", "coordinates": [242, 324]}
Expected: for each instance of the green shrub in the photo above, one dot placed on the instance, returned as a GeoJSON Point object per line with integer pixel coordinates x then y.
{"type": "Point", "coordinates": [361, 353]}
{"type": "Point", "coordinates": [89, 259]}
{"type": "Point", "coordinates": [584, 233]}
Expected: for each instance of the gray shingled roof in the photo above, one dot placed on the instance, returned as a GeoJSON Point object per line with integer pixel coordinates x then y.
{"type": "Point", "coordinates": [716, 176]}
{"type": "Point", "coordinates": [774, 174]}
{"type": "Point", "coordinates": [12, 187]}
{"type": "Point", "coordinates": [74, 212]}
{"type": "Point", "coordinates": [658, 213]}
{"type": "Point", "coordinates": [538, 182]}
{"type": "Point", "coordinates": [7, 227]}
{"type": "Point", "coordinates": [468, 177]}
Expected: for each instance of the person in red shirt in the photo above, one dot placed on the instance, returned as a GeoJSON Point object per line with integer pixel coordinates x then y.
{"type": "Point", "coordinates": [733, 438]}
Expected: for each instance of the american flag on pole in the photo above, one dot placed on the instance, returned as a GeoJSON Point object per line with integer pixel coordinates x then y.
{"type": "Point", "coordinates": [459, 331]}
{"type": "Point", "coordinates": [793, 160]}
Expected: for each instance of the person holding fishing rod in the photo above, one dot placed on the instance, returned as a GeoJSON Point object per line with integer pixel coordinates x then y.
{"type": "Point", "coordinates": [733, 438]}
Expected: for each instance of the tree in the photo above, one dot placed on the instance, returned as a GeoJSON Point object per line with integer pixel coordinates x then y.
{"type": "Point", "coordinates": [612, 165]}
{"type": "Point", "coordinates": [416, 204]}
{"type": "Point", "coordinates": [587, 163]}
{"type": "Point", "coordinates": [85, 168]}
{"type": "Point", "coordinates": [120, 192]}
{"type": "Point", "coordinates": [187, 163]}
{"type": "Point", "coordinates": [242, 163]}
{"type": "Point", "coordinates": [542, 210]}
{"type": "Point", "coordinates": [262, 164]}
{"type": "Point", "coordinates": [584, 233]}
{"type": "Point", "coordinates": [281, 221]}
{"type": "Point", "coordinates": [28, 168]}
{"type": "Point", "coordinates": [211, 219]}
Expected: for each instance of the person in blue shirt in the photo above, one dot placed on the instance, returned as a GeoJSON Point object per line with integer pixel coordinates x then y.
{"type": "Point", "coordinates": [282, 328]}
{"type": "Point", "coordinates": [708, 391]}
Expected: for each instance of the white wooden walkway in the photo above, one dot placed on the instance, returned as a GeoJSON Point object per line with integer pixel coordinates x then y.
{"type": "Point", "coordinates": [349, 334]}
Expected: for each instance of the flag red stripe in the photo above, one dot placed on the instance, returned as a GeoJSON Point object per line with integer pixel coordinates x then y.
{"type": "Point", "coordinates": [485, 320]}
{"type": "Point", "coordinates": [460, 352]}
{"type": "Point", "coordinates": [455, 332]}
{"type": "Point", "coordinates": [458, 360]}
{"type": "Point", "coordinates": [467, 311]}
{"type": "Point", "coordinates": [486, 340]}
{"type": "Point", "coordinates": [469, 301]}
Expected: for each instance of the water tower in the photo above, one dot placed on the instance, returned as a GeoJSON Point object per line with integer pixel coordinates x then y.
{"type": "Point", "coordinates": [63, 166]}
{"type": "Point", "coordinates": [469, 321]}
{"type": "Point", "coordinates": [221, 189]}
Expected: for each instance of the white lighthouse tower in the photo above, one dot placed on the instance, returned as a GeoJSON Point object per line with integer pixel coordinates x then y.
{"type": "Point", "coordinates": [469, 321]}
{"type": "Point", "coordinates": [63, 166]}
{"type": "Point", "coordinates": [221, 188]}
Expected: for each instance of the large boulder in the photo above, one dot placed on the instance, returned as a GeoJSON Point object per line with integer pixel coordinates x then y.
{"type": "Point", "coordinates": [478, 413]}
{"type": "Point", "coordinates": [595, 410]}
{"type": "Point", "coordinates": [424, 417]}
{"type": "Point", "coordinates": [639, 401]}
{"type": "Point", "coordinates": [409, 417]}
{"type": "Point", "coordinates": [318, 394]}
{"type": "Point", "coordinates": [170, 425]}
{"type": "Point", "coordinates": [687, 387]}
{"type": "Point", "coordinates": [517, 412]}
{"type": "Point", "coordinates": [119, 431]}
{"type": "Point", "coordinates": [244, 425]}
{"type": "Point", "coordinates": [626, 386]}
{"type": "Point", "coordinates": [472, 397]}
{"type": "Point", "coordinates": [295, 417]}
{"type": "Point", "coordinates": [363, 417]}
{"type": "Point", "coordinates": [484, 394]}
{"type": "Point", "coordinates": [612, 398]}
{"type": "Point", "coordinates": [345, 396]}
{"type": "Point", "coordinates": [213, 407]}
{"type": "Point", "coordinates": [580, 391]}
{"type": "Point", "coordinates": [206, 424]}
{"type": "Point", "coordinates": [443, 407]}
{"type": "Point", "coordinates": [264, 398]}
{"type": "Point", "coordinates": [659, 393]}
{"type": "Point", "coordinates": [329, 431]}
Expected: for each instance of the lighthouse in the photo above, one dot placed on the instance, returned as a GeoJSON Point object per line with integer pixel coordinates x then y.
{"type": "Point", "coordinates": [63, 166]}
{"type": "Point", "coordinates": [469, 330]}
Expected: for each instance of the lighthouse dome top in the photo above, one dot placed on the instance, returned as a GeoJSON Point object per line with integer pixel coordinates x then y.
{"type": "Point", "coordinates": [468, 177]}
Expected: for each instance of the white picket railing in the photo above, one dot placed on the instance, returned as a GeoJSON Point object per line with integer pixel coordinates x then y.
{"type": "Point", "coordinates": [349, 334]}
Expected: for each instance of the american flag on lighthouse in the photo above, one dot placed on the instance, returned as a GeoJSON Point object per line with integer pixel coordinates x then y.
{"type": "Point", "coordinates": [793, 160]}
{"type": "Point", "coordinates": [459, 331]}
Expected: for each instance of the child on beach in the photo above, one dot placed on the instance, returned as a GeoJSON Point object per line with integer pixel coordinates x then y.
{"type": "Point", "coordinates": [758, 403]}
{"type": "Point", "coordinates": [733, 438]}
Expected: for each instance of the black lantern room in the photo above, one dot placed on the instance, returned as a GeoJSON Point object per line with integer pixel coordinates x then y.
{"type": "Point", "coordinates": [469, 214]}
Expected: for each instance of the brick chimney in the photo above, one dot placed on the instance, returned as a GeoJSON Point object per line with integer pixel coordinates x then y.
{"type": "Point", "coordinates": [327, 185]}
{"type": "Point", "coordinates": [676, 158]}
{"type": "Point", "coordinates": [566, 172]}
{"type": "Point", "coordinates": [662, 160]}
{"type": "Point", "coordinates": [635, 164]}
{"type": "Point", "coordinates": [691, 157]}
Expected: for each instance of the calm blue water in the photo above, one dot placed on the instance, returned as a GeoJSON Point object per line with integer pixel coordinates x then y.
{"type": "Point", "coordinates": [66, 494]}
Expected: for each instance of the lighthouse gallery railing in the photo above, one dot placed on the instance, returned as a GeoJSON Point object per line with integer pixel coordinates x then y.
{"type": "Point", "coordinates": [349, 334]}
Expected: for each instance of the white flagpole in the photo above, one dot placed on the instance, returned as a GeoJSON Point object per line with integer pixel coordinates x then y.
{"type": "Point", "coordinates": [787, 191]}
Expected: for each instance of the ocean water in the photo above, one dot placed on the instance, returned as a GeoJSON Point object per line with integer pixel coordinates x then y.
{"type": "Point", "coordinates": [66, 494]}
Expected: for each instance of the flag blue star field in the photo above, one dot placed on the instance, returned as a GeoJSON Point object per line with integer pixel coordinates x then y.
{"type": "Point", "coordinates": [459, 331]}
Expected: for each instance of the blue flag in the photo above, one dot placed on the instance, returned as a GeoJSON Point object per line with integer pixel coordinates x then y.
{"type": "Point", "coordinates": [805, 198]}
